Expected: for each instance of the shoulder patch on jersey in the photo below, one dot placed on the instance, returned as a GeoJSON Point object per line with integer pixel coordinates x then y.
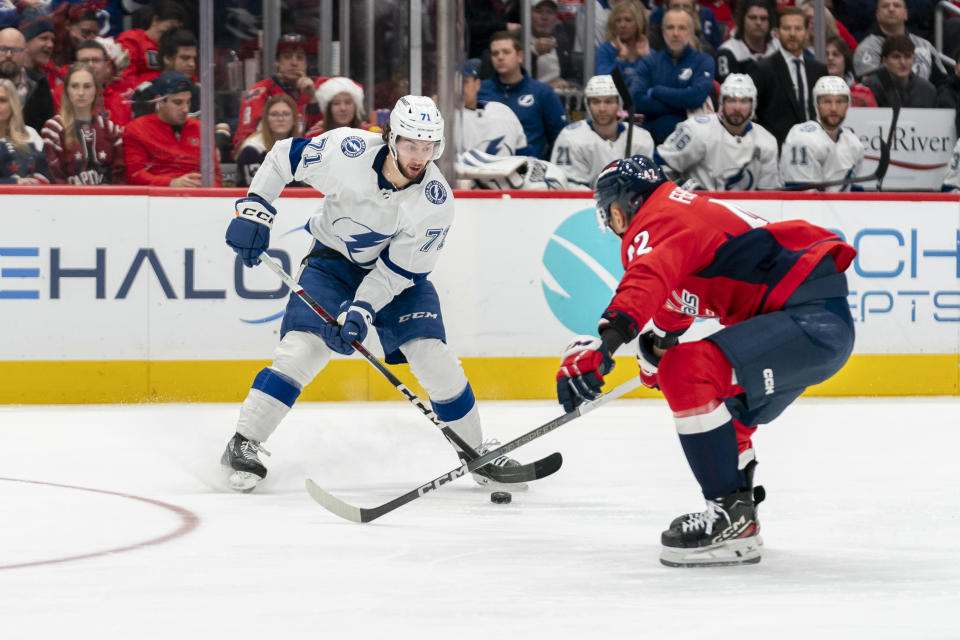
{"type": "Point", "coordinates": [353, 146]}
{"type": "Point", "coordinates": [702, 119]}
{"type": "Point", "coordinates": [435, 192]}
{"type": "Point", "coordinates": [254, 93]}
{"type": "Point", "coordinates": [808, 126]}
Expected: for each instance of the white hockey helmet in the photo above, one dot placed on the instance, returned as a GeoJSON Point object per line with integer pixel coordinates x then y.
{"type": "Point", "coordinates": [599, 86]}
{"type": "Point", "coordinates": [739, 85]}
{"type": "Point", "coordinates": [830, 86]}
{"type": "Point", "coordinates": [417, 118]}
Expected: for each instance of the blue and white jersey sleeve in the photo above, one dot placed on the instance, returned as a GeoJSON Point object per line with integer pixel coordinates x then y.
{"type": "Point", "coordinates": [951, 179]}
{"type": "Point", "coordinates": [687, 146]}
{"type": "Point", "coordinates": [804, 152]}
{"type": "Point", "coordinates": [425, 216]}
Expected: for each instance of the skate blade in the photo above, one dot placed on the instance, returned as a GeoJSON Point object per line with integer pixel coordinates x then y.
{"type": "Point", "coordinates": [493, 485]}
{"type": "Point", "coordinates": [725, 554]}
{"type": "Point", "coordinates": [243, 481]}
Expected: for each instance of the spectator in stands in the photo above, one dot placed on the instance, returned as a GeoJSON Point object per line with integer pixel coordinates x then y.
{"type": "Point", "coordinates": [74, 23]}
{"type": "Point", "coordinates": [552, 59]}
{"type": "Point", "coordinates": [892, 21]}
{"type": "Point", "coordinates": [822, 150]}
{"type": "Point", "coordinates": [626, 40]}
{"type": "Point", "coordinates": [783, 80]}
{"type": "Point", "coordinates": [178, 52]}
{"type": "Point", "coordinates": [39, 35]}
{"type": "Point", "coordinates": [723, 151]}
{"type": "Point", "coordinates": [536, 104]}
{"type": "Point", "coordinates": [33, 89]}
{"type": "Point", "coordinates": [142, 44]}
{"type": "Point", "coordinates": [707, 34]}
{"type": "Point", "coordinates": [753, 39]}
{"type": "Point", "coordinates": [831, 27]}
{"type": "Point", "coordinates": [839, 60]}
{"type": "Point", "coordinates": [341, 103]}
{"type": "Point", "coordinates": [896, 81]}
{"type": "Point", "coordinates": [948, 95]}
{"type": "Point", "coordinates": [674, 80]}
{"type": "Point", "coordinates": [584, 148]}
{"type": "Point", "coordinates": [21, 149]}
{"type": "Point", "coordinates": [291, 78]}
{"type": "Point", "coordinates": [82, 146]}
{"type": "Point", "coordinates": [279, 123]}
{"type": "Point", "coordinates": [491, 127]}
{"type": "Point", "coordinates": [163, 149]}
{"type": "Point", "coordinates": [112, 101]}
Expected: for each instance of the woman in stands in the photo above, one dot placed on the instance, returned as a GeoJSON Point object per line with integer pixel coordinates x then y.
{"type": "Point", "coordinates": [280, 121]}
{"type": "Point", "coordinates": [626, 42]}
{"type": "Point", "coordinates": [21, 149]}
{"type": "Point", "coordinates": [82, 146]}
{"type": "Point", "coordinates": [839, 61]}
{"type": "Point", "coordinates": [341, 103]}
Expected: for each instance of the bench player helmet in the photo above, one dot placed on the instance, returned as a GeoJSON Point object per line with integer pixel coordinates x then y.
{"type": "Point", "coordinates": [626, 182]}
{"type": "Point", "coordinates": [830, 86]}
{"type": "Point", "coordinates": [417, 118]}
{"type": "Point", "coordinates": [739, 85]}
{"type": "Point", "coordinates": [600, 86]}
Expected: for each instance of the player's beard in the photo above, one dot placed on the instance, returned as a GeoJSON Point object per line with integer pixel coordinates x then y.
{"type": "Point", "coordinates": [408, 174]}
{"type": "Point", "coordinates": [831, 121]}
{"type": "Point", "coordinates": [734, 119]}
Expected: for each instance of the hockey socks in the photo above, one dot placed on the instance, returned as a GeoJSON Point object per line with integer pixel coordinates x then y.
{"type": "Point", "coordinates": [709, 442]}
{"type": "Point", "coordinates": [271, 397]}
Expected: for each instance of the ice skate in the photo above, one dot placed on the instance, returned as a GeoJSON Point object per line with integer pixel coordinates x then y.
{"type": "Point", "coordinates": [724, 534]}
{"type": "Point", "coordinates": [504, 462]}
{"type": "Point", "coordinates": [241, 461]}
{"type": "Point", "coordinates": [759, 495]}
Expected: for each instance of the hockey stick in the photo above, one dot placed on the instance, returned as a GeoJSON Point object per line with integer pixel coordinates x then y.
{"type": "Point", "coordinates": [506, 475]}
{"type": "Point", "coordinates": [627, 99]}
{"type": "Point", "coordinates": [883, 163]}
{"type": "Point", "coordinates": [360, 514]}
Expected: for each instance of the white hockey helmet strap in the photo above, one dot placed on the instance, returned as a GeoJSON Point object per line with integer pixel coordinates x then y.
{"type": "Point", "coordinates": [417, 118]}
{"type": "Point", "coordinates": [830, 86]}
{"type": "Point", "coordinates": [739, 85]}
{"type": "Point", "coordinates": [600, 86]}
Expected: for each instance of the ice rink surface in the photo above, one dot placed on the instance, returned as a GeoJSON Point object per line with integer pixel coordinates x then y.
{"type": "Point", "coordinates": [861, 527]}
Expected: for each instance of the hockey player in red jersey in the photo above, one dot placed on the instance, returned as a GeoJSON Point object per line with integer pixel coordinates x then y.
{"type": "Point", "coordinates": [780, 292]}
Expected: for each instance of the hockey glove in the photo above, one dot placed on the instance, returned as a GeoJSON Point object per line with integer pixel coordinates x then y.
{"type": "Point", "coordinates": [648, 360]}
{"type": "Point", "coordinates": [585, 361]}
{"type": "Point", "coordinates": [352, 326]}
{"type": "Point", "coordinates": [249, 232]}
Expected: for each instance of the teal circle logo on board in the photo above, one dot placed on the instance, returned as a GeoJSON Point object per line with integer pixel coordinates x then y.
{"type": "Point", "coordinates": [581, 271]}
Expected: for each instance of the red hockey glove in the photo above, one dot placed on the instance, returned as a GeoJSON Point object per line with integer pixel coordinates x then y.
{"type": "Point", "coordinates": [585, 361]}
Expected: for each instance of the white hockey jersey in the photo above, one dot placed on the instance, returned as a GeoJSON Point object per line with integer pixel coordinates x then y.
{"type": "Point", "coordinates": [951, 179]}
{"type": "Point", "coordinates": [582, 154]}
{"type": "Point", "coordinates": [396, 234]}
{"type": "Point", "coordinates": [492, 128]}
{"type": "Point", "coordinates": [809, 156]}
{"type": "Point", "coordinates": [701, 149]}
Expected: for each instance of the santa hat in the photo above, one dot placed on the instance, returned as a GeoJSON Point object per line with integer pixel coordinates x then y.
{"type": "Point", "coordinates": [330, 87]}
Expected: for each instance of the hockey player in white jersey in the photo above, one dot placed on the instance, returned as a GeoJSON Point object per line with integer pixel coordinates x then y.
{"type": "Point", "coordinates": [822, 150]}
{"type": "Point", "coordinates": [490, 127]}
{"type": "Point", "coordinates": [723, 151]}
{"type": "Point", "coordinates": [584, 148]}
{"type": "Point", "coordinates": [385, 219]}
{"type": "Point", "coordinates": [951, 179]}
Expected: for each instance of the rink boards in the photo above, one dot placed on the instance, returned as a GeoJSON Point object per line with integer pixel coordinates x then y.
{"type": "Point", "coordinates": [130, 294]}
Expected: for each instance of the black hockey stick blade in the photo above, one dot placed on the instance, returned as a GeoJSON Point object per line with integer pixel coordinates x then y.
{"type": "Point", "coordinates": [628, 105]}
{"type": "Point", "coordinates": [551, 463]}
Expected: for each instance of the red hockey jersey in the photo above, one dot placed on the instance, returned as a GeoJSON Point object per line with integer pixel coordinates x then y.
{"type": "Point", "coordinates": [251, 108]}
{"type": "Point", "coordinates": [156, 154]}
{"type": "Point", "coordinates": [688, 256]}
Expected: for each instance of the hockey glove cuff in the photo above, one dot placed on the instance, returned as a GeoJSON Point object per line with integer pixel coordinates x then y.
{"type": "Point", "coordinates": [249, 232]}
{"type": "Point", "coordinates": [585, 361]}
{"type": "Point", "coordinates": [648, 360]}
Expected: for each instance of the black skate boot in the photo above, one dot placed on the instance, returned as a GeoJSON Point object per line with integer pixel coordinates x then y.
{"type": "Point", "coordinates": [241, 462]}
{"type": "Point", "coordinates": [724, 534]}
{"type": "Point", "coordinates": [758, 492]}
{"type": "Point", "coordinates": [483, 479]}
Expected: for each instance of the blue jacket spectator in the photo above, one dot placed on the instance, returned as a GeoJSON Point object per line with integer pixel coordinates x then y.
{"type": "Point", "coordinates": [674, 80]}
{"type": "Point", "coordinates": [710, 30]}
{"type": "Point", "coordinates": [536, 104]}
{"type": "Point", "coordinates": [625, 41]}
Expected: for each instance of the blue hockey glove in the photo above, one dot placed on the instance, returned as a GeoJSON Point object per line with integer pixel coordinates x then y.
{"type": "Point", "coordinates": [585, 361]}
{"type": "Point", "coordinates": [249, 232]}
{"type": "Point", "coordinates": [352, 326]}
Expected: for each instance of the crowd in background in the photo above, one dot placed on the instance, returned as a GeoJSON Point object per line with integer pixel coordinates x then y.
{"type": "Point", "coordinates": [93, 94]}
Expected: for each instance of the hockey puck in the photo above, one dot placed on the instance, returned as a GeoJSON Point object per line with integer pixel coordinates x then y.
{"type": "Point", "coordinates": [501, 497]}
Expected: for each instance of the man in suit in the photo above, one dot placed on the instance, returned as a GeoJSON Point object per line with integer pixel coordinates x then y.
{"type": "Point", "coordinates": [785, 78]}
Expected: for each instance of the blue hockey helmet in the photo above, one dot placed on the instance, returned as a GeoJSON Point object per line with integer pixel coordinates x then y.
{"type": "Point", "coordinates": [626, 182]}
